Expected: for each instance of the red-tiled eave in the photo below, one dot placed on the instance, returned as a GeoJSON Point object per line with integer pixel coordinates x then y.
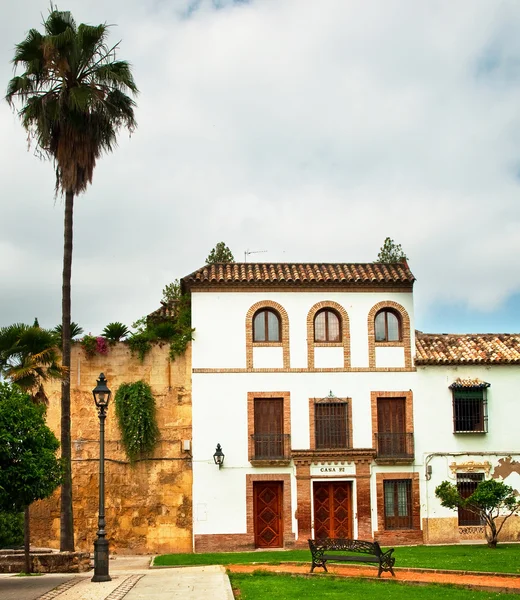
{"type": "Point", "coordinates": [457, 349]}
{"type": "Point", "coordinates": [300, 274]}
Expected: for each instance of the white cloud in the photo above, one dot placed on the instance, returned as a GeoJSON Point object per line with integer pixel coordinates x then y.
{"type": "Point", "coordinates": [309, 129]}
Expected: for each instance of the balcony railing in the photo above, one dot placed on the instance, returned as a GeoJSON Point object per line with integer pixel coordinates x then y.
{"type": "Point", "coordinates": [271, 446]}
{"type": "Point", "coordinates": [395, 446]}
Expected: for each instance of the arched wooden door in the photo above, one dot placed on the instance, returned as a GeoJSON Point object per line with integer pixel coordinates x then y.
{"type": "Point", "coordinates": [332, 509]}
{"type": "Point", "coordinates": [268, 514]}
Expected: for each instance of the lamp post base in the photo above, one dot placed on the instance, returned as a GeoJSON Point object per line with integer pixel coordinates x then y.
{"type": "Point", "coordinates": [101, 560]}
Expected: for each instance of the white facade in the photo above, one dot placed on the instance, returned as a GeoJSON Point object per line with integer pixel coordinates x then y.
{"type": "Point", "coordinates": [230, 370]}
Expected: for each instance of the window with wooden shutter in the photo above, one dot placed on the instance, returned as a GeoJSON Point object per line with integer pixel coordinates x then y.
{"type": "Point", "coordinates": [398, 504]}
{"type": "Point", "coordinates": [268, 434]}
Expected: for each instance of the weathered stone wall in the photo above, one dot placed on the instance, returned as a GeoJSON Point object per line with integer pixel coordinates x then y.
{"type": "Point", "coordinates": [447, 531]}
{"type": "Point", "coordinates": [148, 504]}
{"type": "Point", "coordinates": [46, 562]}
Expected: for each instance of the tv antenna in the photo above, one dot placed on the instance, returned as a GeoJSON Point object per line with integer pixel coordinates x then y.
{"type": "Point", "coordinates": [248, 252]}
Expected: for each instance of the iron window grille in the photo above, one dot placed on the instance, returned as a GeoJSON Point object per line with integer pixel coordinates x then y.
{"type": "Point", "coordinates": [470, 414]}
{"type": "Point", "coordinates": [466, 485]}
{"type": "Point", "coordinates": [330, 425]}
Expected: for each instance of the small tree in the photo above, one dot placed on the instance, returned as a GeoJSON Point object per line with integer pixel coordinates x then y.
{"type": "Point", "coordinates": [220, 254]}
{"type": "Point", "coordinates": [490, 500]}
{"type": "Point", "coordinates": [29, 468]}
{"type": "Point", "coordinates": [171, 292]}
{"type": "Point", "coordinates": [391, 252]}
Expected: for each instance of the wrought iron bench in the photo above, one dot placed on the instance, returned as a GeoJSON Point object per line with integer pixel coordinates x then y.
{"type": "Point", "coordinates": [339, 549]}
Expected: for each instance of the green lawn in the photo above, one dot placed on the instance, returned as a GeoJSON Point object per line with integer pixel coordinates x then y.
{"type": "Point", "coordinates": [261, 585]}
{"type": "Point", "coordinates": [505, 559]}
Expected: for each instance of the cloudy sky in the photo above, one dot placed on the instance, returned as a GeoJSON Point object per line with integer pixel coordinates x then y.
{"type": "Point", "coordinates": [308, 129]}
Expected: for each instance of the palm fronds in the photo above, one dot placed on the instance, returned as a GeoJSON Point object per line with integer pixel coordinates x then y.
{"type": "Point", "coordinates": [73, 94]}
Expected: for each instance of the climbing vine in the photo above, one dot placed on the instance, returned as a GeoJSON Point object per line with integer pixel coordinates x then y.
{"type": "Point", "coordinates": [135, 411]}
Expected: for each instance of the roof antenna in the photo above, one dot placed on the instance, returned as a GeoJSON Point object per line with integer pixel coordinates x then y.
{"type": "Point", "coordinates": [248, 252]}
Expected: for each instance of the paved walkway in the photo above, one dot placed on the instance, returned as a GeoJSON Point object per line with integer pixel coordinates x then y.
{"type": "Point", "coordinates": [133, 580]}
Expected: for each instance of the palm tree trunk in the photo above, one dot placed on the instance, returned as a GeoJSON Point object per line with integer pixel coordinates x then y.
{"type": "Point", "coordinates": [66, 516]}
{"type": "Point", "coordinates": [27, 540]}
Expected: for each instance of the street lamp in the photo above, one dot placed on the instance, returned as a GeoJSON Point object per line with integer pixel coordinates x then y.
{"type": "Point", "coordinates": [101, 395]}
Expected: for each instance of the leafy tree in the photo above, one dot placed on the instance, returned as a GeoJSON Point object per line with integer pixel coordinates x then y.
{"type": "Point", "coordinates": [29, 468]}
{"type": "Point", "coordinates": [391, 252]}
{"type": "Point", "coordinates": [220, 254]}
{"type": "Point", "coordinates": [29, 357]}
{"type": "Point", "coordinates": [73, 96]}
{"type": "Point", "coordinates": [490, 500]}
{"type": "Point", "coordinates": [172, 292]}
{"type": "Point", "coordinates": [11, 528]}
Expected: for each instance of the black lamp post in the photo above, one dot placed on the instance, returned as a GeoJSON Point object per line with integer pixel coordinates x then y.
{"type": "Point", "coordinates": [218, 457]}
{"type": "Point", "coordinates": [101, 395]}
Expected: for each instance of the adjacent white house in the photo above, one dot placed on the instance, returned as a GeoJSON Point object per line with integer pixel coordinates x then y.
{"type": "Point", "coordinates": [335, 417]}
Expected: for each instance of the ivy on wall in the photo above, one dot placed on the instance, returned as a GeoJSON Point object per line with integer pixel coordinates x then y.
{"type": "Point", "coordinates": [135, 411]}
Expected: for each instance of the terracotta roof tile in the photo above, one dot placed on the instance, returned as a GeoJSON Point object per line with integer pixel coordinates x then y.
{"type": "Point", "coordinates": [478, 348]}
{"type": "Point", "coordinates": [301, 274]}
{"type": "Point", "coordinates": [468, 383]}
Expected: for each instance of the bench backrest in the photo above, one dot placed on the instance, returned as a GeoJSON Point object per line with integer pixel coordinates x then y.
{"type": "Point", "coordinates": [346, 544]}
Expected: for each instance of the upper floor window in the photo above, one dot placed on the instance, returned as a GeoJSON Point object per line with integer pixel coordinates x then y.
{"type": "Point", "coordinates": [469, 410]}
{"type": "Point", "coordinates": [327, 326]}
{"type": "Point", "coordinates": [331, 425]}
{"type": "Point", "coordinates": [266, 326]}
{"type": "Point", "coordinates": [387, 326]}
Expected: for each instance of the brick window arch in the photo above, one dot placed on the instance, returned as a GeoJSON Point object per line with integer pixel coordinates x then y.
{"type": "Point", "coordinates": [264, 309]}
{"type": "Point", "coordinates": [391, 317]}
{"type": "Point", "coordinates": [328, 308]}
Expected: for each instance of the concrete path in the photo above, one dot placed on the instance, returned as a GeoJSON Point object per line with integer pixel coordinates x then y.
{"type": "Point", "coordinates": [30, 588]}
{"type": "Point", "coordinates": [131, 579]}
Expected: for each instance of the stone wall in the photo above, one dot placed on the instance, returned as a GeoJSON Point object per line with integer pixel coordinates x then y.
{"type": "Point", "coordinates": [447, 531]}
{"type": "Point", "coordinates": [148, 504]}
{"type": "Point", "coordinates": [46, 562]}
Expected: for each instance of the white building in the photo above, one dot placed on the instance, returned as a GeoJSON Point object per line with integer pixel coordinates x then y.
{"type": "Point", "coordinates": [336, 417]}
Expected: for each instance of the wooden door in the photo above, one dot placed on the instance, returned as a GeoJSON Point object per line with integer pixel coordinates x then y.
{"type": "Point", "coordinates": [268, 434]}
{"type": "Point", "coordinates": [391, 425]}
{"type": "Point", "coordinates": [333, 509]}
{"type": "Point", "coordinates": [268, 514]}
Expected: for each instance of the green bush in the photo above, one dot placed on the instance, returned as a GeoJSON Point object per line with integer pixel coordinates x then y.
{"type": "Point", "coordinates": [114, 332]}
{"type": "Point", "coordinates": [11, 529]}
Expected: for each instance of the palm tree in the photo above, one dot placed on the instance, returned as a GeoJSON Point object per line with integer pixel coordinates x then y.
{"type": "Point", "coordinates": [29, 357]}
{"type": "Point", "coordinates": [74, 101]}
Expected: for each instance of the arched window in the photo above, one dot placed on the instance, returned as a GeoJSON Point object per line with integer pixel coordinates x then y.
{"type": "Point", "coordinates": [266, 326]}
{"type": "Point", "coordinates": [387, 326]}
{"type": "Point", "coordinates": [327, 326]}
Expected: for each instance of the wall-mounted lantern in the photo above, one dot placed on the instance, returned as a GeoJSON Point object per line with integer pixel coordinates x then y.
{"type": "Point", "coordinates": [218, 457]}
